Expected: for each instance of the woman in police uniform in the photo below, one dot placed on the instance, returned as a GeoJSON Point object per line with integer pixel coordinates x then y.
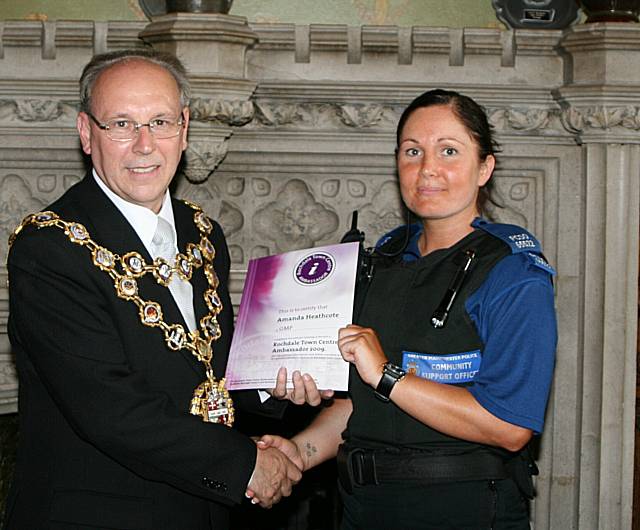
{"type": "Point", "coordinates": [453, 348]}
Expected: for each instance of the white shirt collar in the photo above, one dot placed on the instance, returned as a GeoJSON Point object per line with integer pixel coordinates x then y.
{"type": "Point", "coordinates": [141, 219]}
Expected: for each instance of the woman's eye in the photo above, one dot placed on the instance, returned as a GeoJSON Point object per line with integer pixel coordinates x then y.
{"type": "Point", "coordinates": [449, 151]}
{"type": "Point", "coordinates": [412, 151]}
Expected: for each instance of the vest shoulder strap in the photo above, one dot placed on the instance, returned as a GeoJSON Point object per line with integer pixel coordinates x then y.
{"type": "Point", "coordinates": [519, 240]}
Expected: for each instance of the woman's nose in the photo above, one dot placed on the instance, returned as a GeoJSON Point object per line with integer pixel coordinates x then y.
{"type": "Point", "coordinates": [427, 167]}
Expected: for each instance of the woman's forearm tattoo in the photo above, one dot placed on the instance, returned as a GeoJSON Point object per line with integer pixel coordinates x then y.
{"type": "Point", "coordinates": [310, 450]}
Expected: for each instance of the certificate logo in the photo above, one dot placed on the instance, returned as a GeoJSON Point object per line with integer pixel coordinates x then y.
{"type": "Point", "coordinates": [314, 268]}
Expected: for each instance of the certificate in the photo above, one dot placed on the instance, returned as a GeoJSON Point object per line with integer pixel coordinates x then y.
{"type": "Point", "coordinates": [291, 309]}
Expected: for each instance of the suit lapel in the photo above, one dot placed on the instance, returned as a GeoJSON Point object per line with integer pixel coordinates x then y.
{"type": "Point", "coordinates": [188, 233]}
{"type": "Point", "coordinates": [109, 228]}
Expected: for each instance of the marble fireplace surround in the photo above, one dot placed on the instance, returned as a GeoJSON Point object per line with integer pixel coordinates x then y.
{"type": "Point", "coordinates": [293, 129]}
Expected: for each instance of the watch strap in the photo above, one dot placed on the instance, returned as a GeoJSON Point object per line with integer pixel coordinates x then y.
{"type": "Point", "coordinates": [391, 374]}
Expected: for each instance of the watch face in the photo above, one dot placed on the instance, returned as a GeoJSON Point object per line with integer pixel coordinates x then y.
{"type": "Point", "coordinates": [532, 14]}
{"type": "Point", "coordinates": [394, 370]}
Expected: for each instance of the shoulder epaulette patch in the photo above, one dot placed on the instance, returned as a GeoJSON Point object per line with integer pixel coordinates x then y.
{"type": "Point", "coordinates": [518, 239]}
{"type": "Point", "coordinates": [540, 262]}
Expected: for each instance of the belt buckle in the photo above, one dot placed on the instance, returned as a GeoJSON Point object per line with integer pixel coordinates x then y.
{"type": "Point", "coordinates": [363, 467]}
{"type": "Point", "coordinates": [356, 467]}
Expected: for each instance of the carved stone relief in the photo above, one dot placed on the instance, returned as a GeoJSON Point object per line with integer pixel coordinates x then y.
{"type": "Point", "coordinates": [330, 188]}
{"type": "Point", "coordinates": [579, 119]}
{"type": "Point", "coordinates": [360, 116]}
{"type": "Point", "coordinates": [201, 158]}
{"type": "Point", "coordinates": [31, 111]}
{"type": "Point", "coordinates": [8, 375]}
{"type": "Point", "coordinates": [517, 196]}
{"type": "Point", "coordinates": [260, 187]}
{"type": "Point", "coordinates": [312, 209]}
{"type": "Point", "coordinates": [537, 121]}
{"type": "Point", "coordinates": [525, 120]}
{"type": "Point", "coordinates": [383, 213]}
{"type": "Point", "coordinates": [328, 115]}
{"type": "Point", "coordinates": [235, 112]}
{"type": "Point", "coordinates": [294, 219]}
{"type": "Point", "coordinates": [331, 115]}
{"type": "Point", "coordinates": [16, 201]}
{"type": "Point", "coordinates": [212, 201]}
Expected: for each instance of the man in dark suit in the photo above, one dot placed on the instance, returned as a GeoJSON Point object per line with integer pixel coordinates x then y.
{"type": "Point", "coordinates": [112, 337]}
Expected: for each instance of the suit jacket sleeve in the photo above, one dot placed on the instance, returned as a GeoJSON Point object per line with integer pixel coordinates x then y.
{"type": "Point", "coordinates": [62, 321]}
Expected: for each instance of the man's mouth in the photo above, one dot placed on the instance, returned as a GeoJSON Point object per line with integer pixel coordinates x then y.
{"type": "Point", "coordinates": [146, 169]}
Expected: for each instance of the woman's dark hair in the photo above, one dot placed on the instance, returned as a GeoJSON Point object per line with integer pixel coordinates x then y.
{"type": "Point", "coordinates": [475, 120]}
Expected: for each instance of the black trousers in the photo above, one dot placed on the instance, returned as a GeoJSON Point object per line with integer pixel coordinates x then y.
{"type": "Point", "coordinates": [473, 505]}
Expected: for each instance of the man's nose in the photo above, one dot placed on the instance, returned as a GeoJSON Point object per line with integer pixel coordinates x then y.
{"type": "Point", "coordinates": [144, 141]}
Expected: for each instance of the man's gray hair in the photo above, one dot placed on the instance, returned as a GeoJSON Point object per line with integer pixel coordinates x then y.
{"type": "Point", "coordinates": [100, 63]}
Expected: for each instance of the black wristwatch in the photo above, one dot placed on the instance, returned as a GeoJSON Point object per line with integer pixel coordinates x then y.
{"type": "Point", "coordinates": [391, 374]}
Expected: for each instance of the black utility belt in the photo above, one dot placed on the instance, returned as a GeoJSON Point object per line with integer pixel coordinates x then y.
{"type": "Point", "coordinates": [361, 467]}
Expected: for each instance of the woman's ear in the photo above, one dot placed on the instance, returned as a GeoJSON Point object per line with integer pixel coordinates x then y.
{"type": "Point", "coordinates": [486, 170]}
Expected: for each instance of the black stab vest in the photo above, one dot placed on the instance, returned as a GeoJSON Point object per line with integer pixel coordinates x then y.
{"type": "Point", "coordinates": [397, 302]}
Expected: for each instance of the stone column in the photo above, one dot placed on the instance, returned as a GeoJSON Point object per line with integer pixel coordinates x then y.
{"type": "Point", "coordinates": [601, 106]}
{"type": "Point", "coordinates": [213, 48]}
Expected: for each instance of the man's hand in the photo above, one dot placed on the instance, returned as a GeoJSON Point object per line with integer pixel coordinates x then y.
{"type": "Point", "coordinates": [304, 389]}
{"type": "Point", "coordinates": [288, 447]}
{"type": "Point", "coordinates": [273, 477]}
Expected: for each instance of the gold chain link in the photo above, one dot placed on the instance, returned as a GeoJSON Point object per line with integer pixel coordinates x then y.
{"type": "Point", "coordinates": [211, 400]}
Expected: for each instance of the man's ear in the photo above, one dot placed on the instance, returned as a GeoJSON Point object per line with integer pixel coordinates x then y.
{"type": "Point", "coordinates": [185, 114]}
{"type": "Point", "coordinates": [84, 130]}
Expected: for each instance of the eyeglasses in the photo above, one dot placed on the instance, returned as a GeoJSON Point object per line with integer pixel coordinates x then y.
{"type": "Point", "coordinates": [124, 130]}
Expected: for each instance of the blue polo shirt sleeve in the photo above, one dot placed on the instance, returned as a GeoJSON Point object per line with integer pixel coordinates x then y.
{"type": "Point", "coordinates": [514, 314]}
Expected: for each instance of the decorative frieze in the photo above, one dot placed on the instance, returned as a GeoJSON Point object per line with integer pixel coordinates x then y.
{"type": "Point", "coordinates": [601, 118]}
{"type": "Point", "coordinates": [281, 114]}
{"type": "Point", "coordinates": [331, 115]}
{"type": "Point", "coordinates": [360, 116]}
{"type": "Point", "coordinates": [526, 120]}
{"type": "Point", "coordinates": [31, 111]}
{"type": "Point", "coordinates": [234, 113]}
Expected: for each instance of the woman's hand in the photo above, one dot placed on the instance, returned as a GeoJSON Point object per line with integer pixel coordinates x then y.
{"type": "Point", "coordinates": [361, 347]}
{"type": "Point", "coordinates": [304, 389]}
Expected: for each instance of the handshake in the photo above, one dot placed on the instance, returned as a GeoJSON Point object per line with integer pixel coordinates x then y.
{"type": "Point", "coordinates": [279, 464]}
{"type": "Point", "coordinates": [279, 467]}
